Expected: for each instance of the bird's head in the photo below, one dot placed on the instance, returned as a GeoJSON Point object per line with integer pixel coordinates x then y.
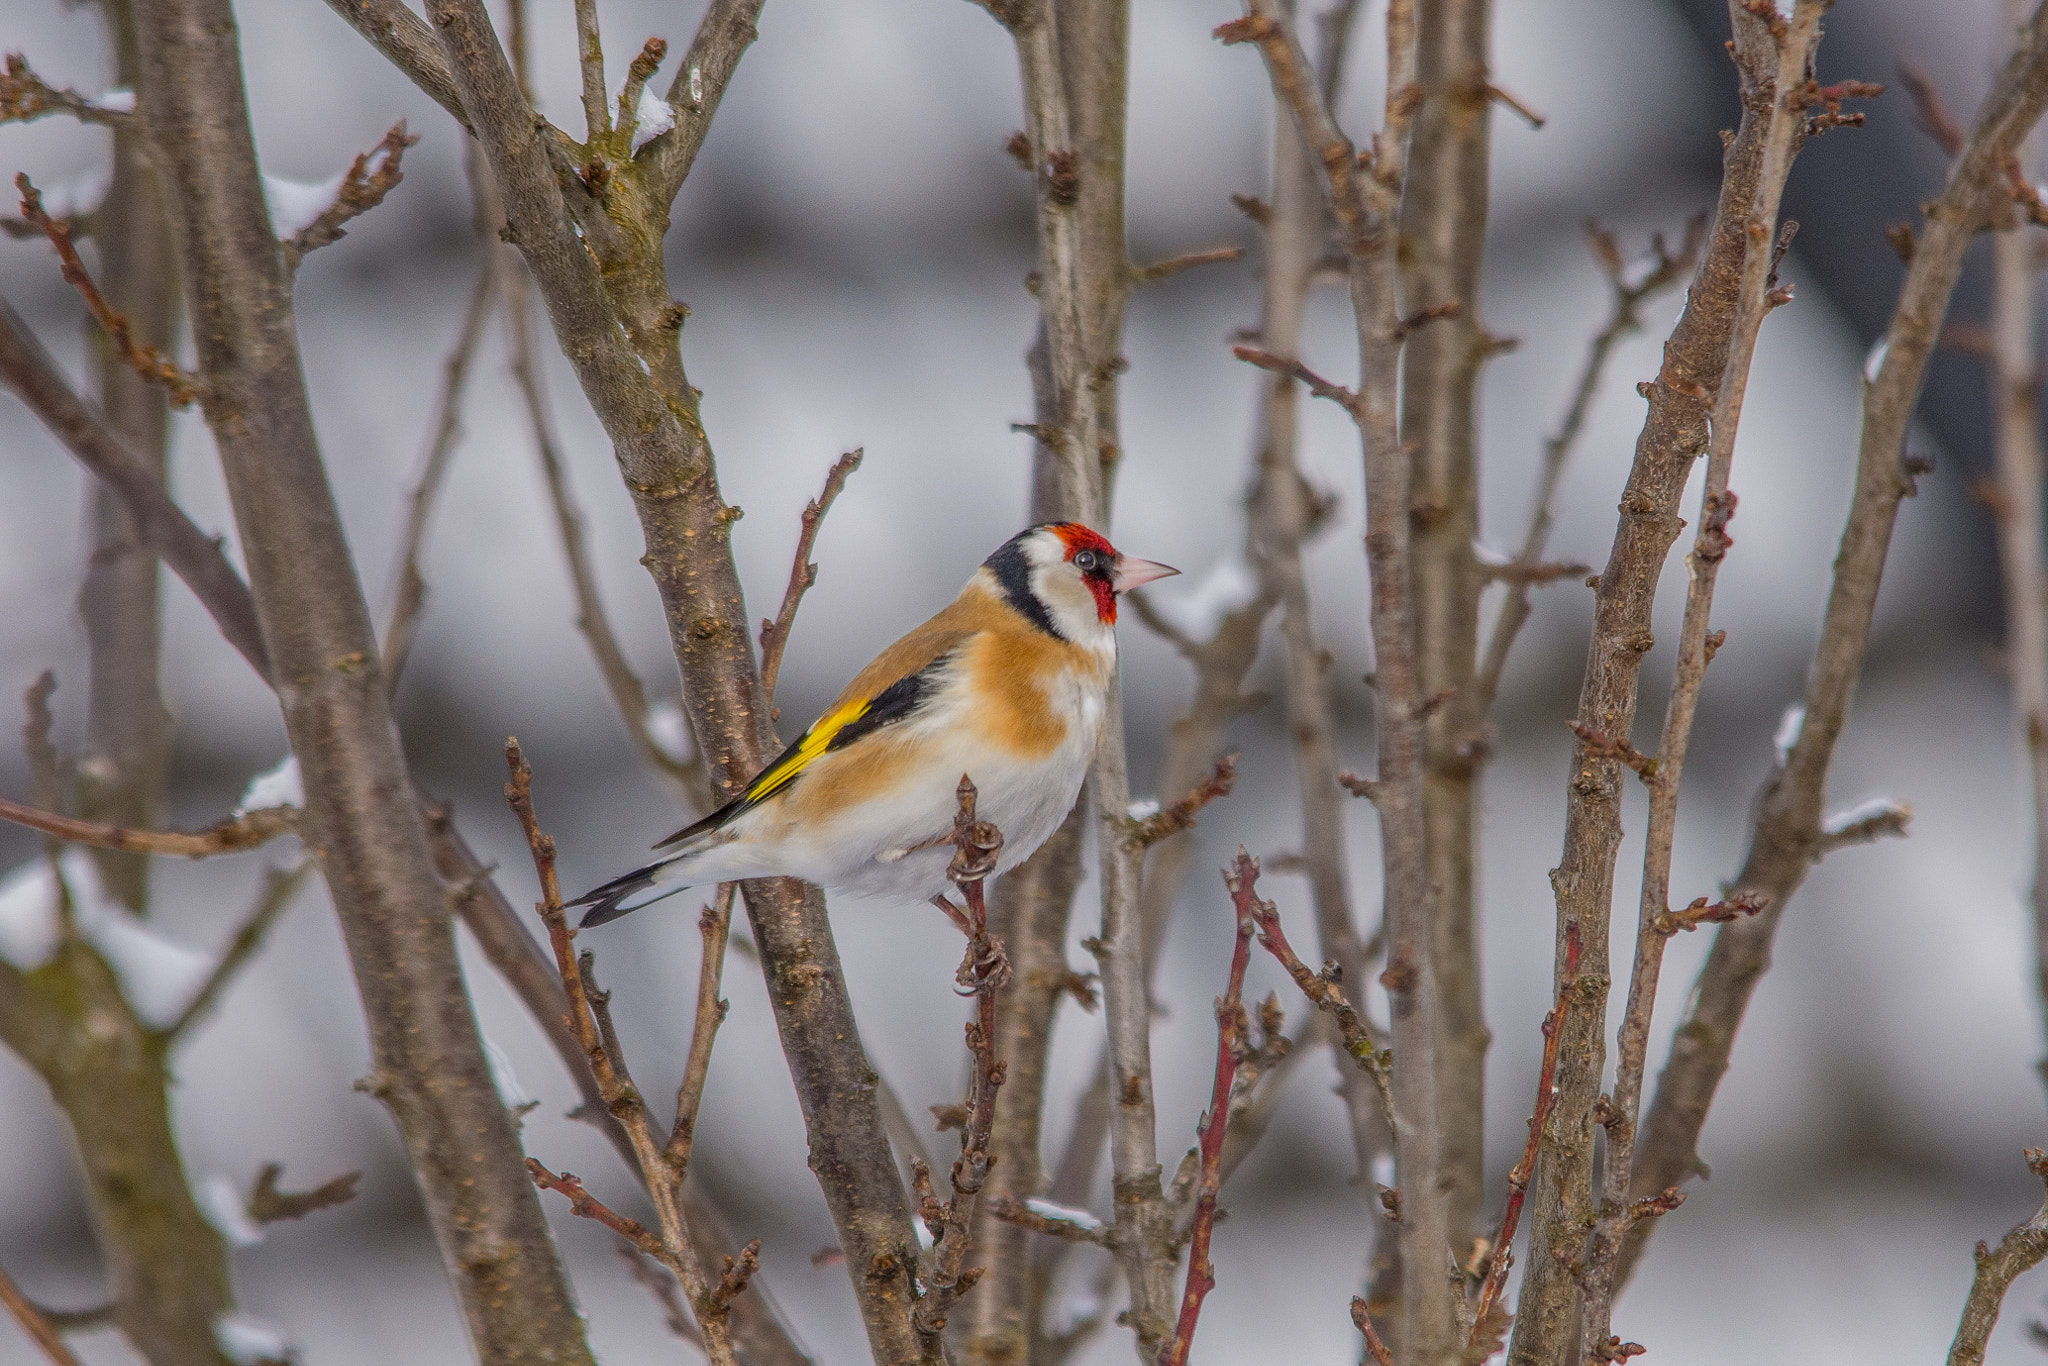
{"type": "Point", "coordinates": [1066, 578]}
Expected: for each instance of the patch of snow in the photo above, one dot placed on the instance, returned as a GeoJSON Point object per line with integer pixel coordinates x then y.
{"type": "Point", "coordinates": [279, 786]}
{"type": "Point", "coordinates": [1491, 556]}
{"type": "Point", "coordinates": [1874, 808]}
{"type": "Point", "coordinates": [119, 100]}
{"type": "Point", "coordinates": [1225, 588]}
{"type": "Point", "coordinates": [669, 728]}
{"type": "Point", "coordinates": [1144, 808]}
{"type": "Point", "coordinates": [247, 1341]}
{"type": "Point", "coordinates": [1875, 361]}
{"type": "Point", "coordinates": [504, 1078]}
{"type": "Point", "coordinates": [158, 976]}
{"type": "Point", "coordinates": [80, 195]}
{"type": "Point", "coordinates": [696, 87]}
{"type": "Point", "coordinates": [1789, 726]}
{"type": "Point", "coordinates": [654, 117]}
{"type": "Point", "coordinates": [294, 204]}
{"type": "Point", "coordinates": [1066, 1214]}
{"type": "Point", "coordinates": [223, 1207]}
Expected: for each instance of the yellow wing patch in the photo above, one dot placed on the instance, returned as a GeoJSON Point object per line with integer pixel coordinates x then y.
{"type": "Point", "coordinates": [798, 757]}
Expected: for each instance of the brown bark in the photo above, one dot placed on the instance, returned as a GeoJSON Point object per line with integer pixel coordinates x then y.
{"type": "Point", "coordinates": [1787, 835]}
{"type": "Point", "coordinates": [2017, 1253]}
{"type": "Point", "coordinates": [620, 329]}
{"type": "Point", "coordinates": [1674, 433]}
{"type": "Point", "coordinates": [1443, 245]}
{"type": "Point", "coordinates": [428, 1061]}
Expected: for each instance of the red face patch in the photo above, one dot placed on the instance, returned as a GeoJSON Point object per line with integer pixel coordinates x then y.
{"type": "Point", "coordinates": [1078, 538]}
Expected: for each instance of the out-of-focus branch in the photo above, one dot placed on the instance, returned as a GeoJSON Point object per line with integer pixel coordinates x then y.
{"type": "Point", "coordinates": [1758, 295]}
{"type": "Point", "coordinates": [403, 625]}
{"type": "Point", "coordinates": [1363, 196]}
{"type": "Point", "coordinates": [1675, 431]}
{"type": "Point", "coordinates": [589, 1017]}
{"type": "Point", "coordinates": [1631, 289]}
{"type": "Point", "coordinates": [25, 96]}
{"type": "Point", "coordinates": [145, 359]}
{"type": "Point", "coordinates": [34, 1323]}
{"type": "Point", "coordinates": [802, 574]}
{"type": "Point", "coordinates": [368, 179]}
{"type": "Point", "coordinates": [2016, 517]}
{"type": "Point", "coordinates": [280, 886]}
{"type": "Point", "coordinates": [1232, 1031]}
{"type": "Point", "coordinates": [191, 554]}
{"type": "Point", "coordinates": [715, 925]}
{"type": "Point", "coordinates": [1788, 829]}
{"type": "Point", "coordinates": [233, 835]}
{"type": "Point", "coordinates": [1443, 220]}
{"type": "Point", "coordinates": [428, 1063]}
{"type": "Point", "coordinates": [1997, 1268]}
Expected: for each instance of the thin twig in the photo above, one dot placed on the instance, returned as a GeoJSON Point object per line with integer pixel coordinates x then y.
{"type": "Point", "coordinates": [590, 62]}
{"type": "Point", "coordinates": [1630, 292]}
{"type": "Point", "coordinates": [411, 596]}
{"type": "Point", "coordinates": [584, 1205]}
{"type": "Point", "coordinates": [1787, 832]}
{"type": "Point", "coordinates": [148, 362]}
{"type": "Point", "coordinates": [25, 96]}
{"type": "Point", "coordinates": [233, 835]}
{"type": "Point", "coordinates": [802, 573]}
{"type": "Point", "coordinates": [1175, 265]}
{"type": "Point", "coordinates": [370, 177]}
{"type": "Point", "coordinates": [280, 885]}
{"type": "Point", "coordinates": [1501, 1254]}
{"type": "Point", "coordinates": [1242, 878]}
{"type": "Point", "coordinates": [715, 925]}
{"type": "Point", "coordinates": [1358, 1038]}
{"type": "Point", "coordinates": [1180, 814]}
{"type": "Point", "coordinates": [24, 1312]}
{"type": "Point", "coordinates": [268, 1205]}
{"type": "Point", "coordinates": [1997, 1268]}
{"type": "Point", "coordinates": [591, 1020]}
{"type": "Point", "coordinates": [983, 972]}
{"type": "Point", "coordinates": [1362, 1319]}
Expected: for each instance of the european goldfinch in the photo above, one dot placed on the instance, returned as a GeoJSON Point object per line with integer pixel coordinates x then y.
{"type": "Point", "coordinates": [1006, 685]}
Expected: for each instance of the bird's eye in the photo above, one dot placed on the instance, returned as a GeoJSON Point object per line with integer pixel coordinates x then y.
{"type": "Point", "coordinates": [1087, 561]}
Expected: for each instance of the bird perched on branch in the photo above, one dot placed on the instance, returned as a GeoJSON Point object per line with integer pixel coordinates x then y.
{"type": "Point", "coordinates": [1006, 685]}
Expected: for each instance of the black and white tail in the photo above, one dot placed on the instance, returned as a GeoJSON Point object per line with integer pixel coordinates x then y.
{"type": "Point", "coordinates": [629, 893]}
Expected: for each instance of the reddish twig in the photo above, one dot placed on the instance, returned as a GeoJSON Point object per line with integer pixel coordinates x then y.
{"type": "Point", "coordinates": [983, 971]}
{"type": "Point", "coordinates": [1357, 1035]}
{"type": "Point", "coordinates": [144, 359]}
{"type": "Point", "coordinates": [1381, 1353]}
{"type": "Point", "coordinates": [584, 1205]}
{"type": "Point", "coordinates": [1180, 815]}
{"type": "Point", "coordinates": [1935, 119]}
{"type": "Point", "coordinates": [1502, 1255]}
{"type": "Point", "coordinates": [370, 177]}
{"type": "Point", "coordinates": [802, 574]}
{"type": "Point", "coordinates": [1600, 745]}
{"type": "Point", "coordinates": [1232, 1028]}
{"type": "Point", "coordinates": [1701, 912]}
{"type": "Point", "coordinates": [34, 1323]}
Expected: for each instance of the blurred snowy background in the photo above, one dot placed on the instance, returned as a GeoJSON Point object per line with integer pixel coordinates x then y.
{"type": "Point", "coordinates": [852, 246]}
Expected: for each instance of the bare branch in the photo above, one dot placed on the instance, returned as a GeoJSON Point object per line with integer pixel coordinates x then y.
{"type": "Point", "coordinates": [280, 886]}
{"type": "Point", "coordinates": [590, 62]}
{"type": "Point", "coordinates": [584, 1205]}
{"type": "Point", "coordinates": [1294, 369]}
{"type": "Point", "coordinates": [397, 31]}
{"type": "Point", "coordinates": [25, 96]}
{"type": "Point", "coordinates": [715, 925]}
{"type": "Point", "coordinates": [1362, 1319]}
{"type": "Point", "coordinates": [1667, 268]}
{"type": "Point", "coordinates": [1231, 1031]}
{"type": "Point", "coordinates": [1997, 1268]}
{"type": "Point", "coordinates": [144, 359]}
{"type": "Point", "coordinates": [723, 37]}
{"type": "Point", "coordinates": [233, 835]}
{"type": "Point", "coordinates": [370, 177]}
{"type": "Point", "coordinates": [802, 573]}
{"type": "Point", "coordinates": [638, 72]}
{"type": "Point", "coordinates": [590, 1017]}
{"type": "Point", "coordinates": [1180, 814]}
{"type": "Point", "coordinates": [1935, 119]}
{"type": "Point", "coordinates": [1787, 831]}
{"type": "Point", "coordinates": [267, 1204]}
{"type": "Point", "coordinates": [411, 597]}
{"type": "Point", "coordinates": [33, 1322]}
{"type": "Point", "coordinates": [1172, 266]}
{"type": "Point", "coordinates": [190, 553]}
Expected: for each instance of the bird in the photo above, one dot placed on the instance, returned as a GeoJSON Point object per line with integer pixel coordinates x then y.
{"type": "Point", "coordinates": [1007, 685]}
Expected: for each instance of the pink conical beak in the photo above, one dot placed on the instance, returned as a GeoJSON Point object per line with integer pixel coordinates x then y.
{"type": "Point", "coordinates": [1131, 573]}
